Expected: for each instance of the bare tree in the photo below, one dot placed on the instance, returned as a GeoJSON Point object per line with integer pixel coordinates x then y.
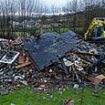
{"type": "Point", "coordinates": [72, 7]}
{"type": "Point", "coordinates": [24, 9]}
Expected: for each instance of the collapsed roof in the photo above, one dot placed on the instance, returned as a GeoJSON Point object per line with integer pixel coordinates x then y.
{"type": "Point", "coordinates": [50, 47]}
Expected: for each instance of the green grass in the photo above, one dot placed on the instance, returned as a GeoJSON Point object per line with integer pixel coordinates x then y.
{"type": "Point", "coordinates": [32, 31]}
{"type": "Point", "coordinates": [25, 96]}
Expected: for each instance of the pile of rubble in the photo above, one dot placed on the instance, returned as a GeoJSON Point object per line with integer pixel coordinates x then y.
{"type": "Point", "coordinates": [75, 67]}
{"type": "Point", "coordinates": [11, 77]}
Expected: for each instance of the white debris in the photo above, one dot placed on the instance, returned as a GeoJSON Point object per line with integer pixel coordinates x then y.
{"type": "Point", "coordinates": [18, 77]}
{"type": "Point", "coordinates": [76, 86]}
{"type": "Point", "coordinates": [24, 82]}
{"type": "Point", "coordinates": [93, 51]}
{"type": "Point", "coordinates": [12, 104]}
{"type": "Point", "coordinates": [50, 71]}
{"type": "Point", "coordinates": [80, 68]}
{"type": "Point", "coordinates": [67, 62]}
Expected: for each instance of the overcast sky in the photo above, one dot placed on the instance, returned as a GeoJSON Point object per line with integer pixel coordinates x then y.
{"type": "Point", "coordinates": [57, 3]}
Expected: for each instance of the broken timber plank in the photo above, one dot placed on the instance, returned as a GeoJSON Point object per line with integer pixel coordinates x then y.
{"type": "Point", "coordinates": [23, 65]}
{"type": "Point", "coordinates": [86, 53]}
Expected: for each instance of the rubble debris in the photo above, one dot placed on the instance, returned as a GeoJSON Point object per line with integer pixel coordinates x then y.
{"type": "Point", "coordinates": [76, 86]}
{"type": "Point", "coordinates": [45, 65]}
{"type": "Point", "coordinates": [93, 51]}
{"type": "Point", "coordinates": [12, 104]}
{"type": "Point", "coordinates": [69, 102]}
{"type": "Point", "coordinates": [18, 41]}
{"type": "Point", "coordinates": [10, 44]}
{"type": "Point", "coordinates": [4, 91]}
{"type": "Point", "coordinates": [23, 65]}
{"type": "Point", "coordinates": [95, 80]}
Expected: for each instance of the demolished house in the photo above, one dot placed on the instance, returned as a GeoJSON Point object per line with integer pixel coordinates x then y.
{"type": "Point", "coordinates": [63, 56]}
{"type": "Point", "coordinates": [50, 59]}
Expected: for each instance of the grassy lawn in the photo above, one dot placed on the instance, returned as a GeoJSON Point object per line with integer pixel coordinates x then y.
{"type": "Point", "coordinates": [40, 31]}
{"type": "Point", "coordinates": [25, 96]}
